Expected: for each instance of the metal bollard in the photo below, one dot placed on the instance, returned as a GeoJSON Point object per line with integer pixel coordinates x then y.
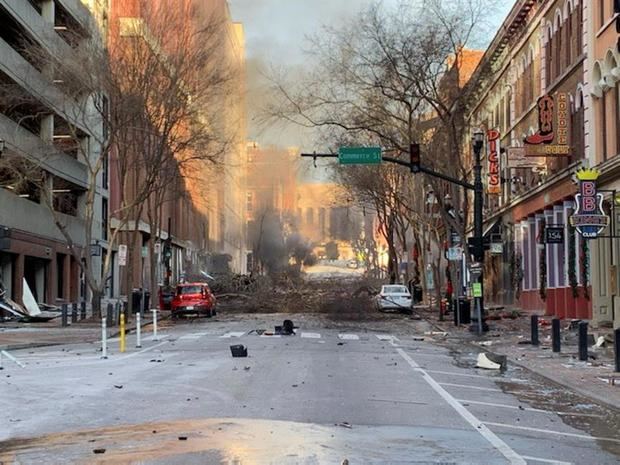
{"type": "Point", "coordinates": [534, 330]}
{"type": "Point", "coordinates": [583, 341]}
{"type": "Point", "coordinates": [109, 313]}
{"type": "Point", "coordinates": [74, 313]}
{"type": "Point", "coordinates": [154, 324]}
{"type": "Point", "coordinates": [555, 334]}
{"type": "Point", "coordinates": [617, 348]}
{"type": "Point", "coordinates": [64, 315]}
{"type": "Point", "coordinates": [122, 337]}
{"type": "Point", "coordinates": [138, 332]}
{"type": "Point", "coordinates": [83, 310]}
{"type": "Point", "coordinates": [104, 338]}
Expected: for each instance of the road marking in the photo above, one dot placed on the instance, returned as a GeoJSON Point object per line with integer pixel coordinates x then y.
{"type": "Point", "coordinates": [531, 409]}
{"type": "Point", "coordinates": [311, 335]}
{"type": "Point", "coordinates": [349, 337]}
{"type": "Point", "coordinates": [133, 354]}
{"type": "Point", "coordinates": [471, 375]}
{"type": "Point", "coordinates": [557, 433]}
{"type": "Point", "coordinates": [270, 335]}
{"type": "Point", "coordinates": [553, 462]}
{"type": "Point", "coordinates": [489, 435]}
{"type": "Point", "coordinates": [190, 336]}
{"type": "Point", "coordinates": [386, 337]}
{"type": "Point", "coordinates": [471, 387]}
{"type": "Point", "coordinates": [233, 334]}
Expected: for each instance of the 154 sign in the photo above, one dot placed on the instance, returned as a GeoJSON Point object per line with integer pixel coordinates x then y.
{"type": "Point", "coordinates": [589, 219]}
{"type": "Point", "coordinates": [494, 185]}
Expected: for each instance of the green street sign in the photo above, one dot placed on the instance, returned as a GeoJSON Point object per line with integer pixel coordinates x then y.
{"type": "Point", "coordinates": [477, 289]}
{"type": "Point", "coordinates": [359, 155]}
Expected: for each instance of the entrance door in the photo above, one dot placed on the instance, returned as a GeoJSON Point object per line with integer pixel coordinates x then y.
{"type": "Point", "coordinates": [35, 272]}
{"type": "Point", "coordinates": [602, 280]}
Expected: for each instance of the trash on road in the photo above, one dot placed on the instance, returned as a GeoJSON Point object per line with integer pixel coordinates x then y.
{"type": "Point", "coordinates": [118, 386]}
{"type": "Point", "coordinates": [182, 438]}
{"type": "Point", "coordinates": [491, 361]}
{"type": "Point", "coordinates": [99, 451]}
{"type": "Point", "coordinates": [247, 368]}
{"type": "Point", "coordinates": [239, 350]}
{"type": "Point", "coordinates": [436, 333]}
{"type": "Point", "coordinates": [485, 343]}
{"type": "Point", "coordinates": [345, 424]}
{"type": "Point", "coordinates": [600, 341]}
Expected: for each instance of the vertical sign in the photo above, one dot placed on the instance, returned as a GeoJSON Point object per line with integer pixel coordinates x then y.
{"type": "Point", "coordinates": [122, 255]}
{"type": "Point", "coordinates": [551, 139]}
{"type": "Point", "coordinates": [589, 218]}
{"type": "Point", "coordinates": [494, 185]}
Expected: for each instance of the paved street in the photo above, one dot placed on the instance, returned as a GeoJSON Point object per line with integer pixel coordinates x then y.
{"type": "Point", "coordinates": [318, 397]}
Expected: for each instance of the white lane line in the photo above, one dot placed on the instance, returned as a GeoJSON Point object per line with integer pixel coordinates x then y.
{"type": "Point", "coordinates": [489, 435]}
{"type": "Point", "coordinates": [553, 462]}
{"type": "Point", "coordinates": [311, 335]}
{"type": "Point", "coordinates": [133, 354]}
{"type": "Point", "coordinates": [348, 337]}
{"type": "Point", "coordinates": [233, 334]}
{"type": "Point", "coordinates": [531, 409]}
{"type": "Point", "coordinates": [270, 335]}
{"type": "Point", "coordinates": [557, 433]}
{"type": "Point", "coordinates": [386, 337]}
{"type": "Point", "coordinates": [471, 375]}
{"type": "Point", "coordinates": [467, 386]}
{"type": "Point", "coordinates": [189, 337]}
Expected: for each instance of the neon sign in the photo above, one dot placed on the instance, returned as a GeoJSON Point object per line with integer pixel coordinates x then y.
{"type": "Point", "coordinates": [589, 218]}
{"type": "Point", "coordinates": [494, 184]}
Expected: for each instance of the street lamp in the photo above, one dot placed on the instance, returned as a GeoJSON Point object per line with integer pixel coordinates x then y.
{"type": "Point", "coordinates": [478, 247]}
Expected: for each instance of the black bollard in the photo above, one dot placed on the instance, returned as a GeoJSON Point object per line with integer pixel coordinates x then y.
{"type": "Point", "coordinates": [65, 314]}
{"type": "Point", "coordinates": [534, 331]}
{"type": "Point", "coordinates": [109, 314]}
{"type": "Point", "coordinates": [583, 341]}
{"type": "Point", "coordinates": [83, 310]}
{"type": "Point", "coordinates": [617, 348]}
{"type": "Point", "coordinates": [74, 312]}
{"type": "Point", "coordinates": [555, 334]}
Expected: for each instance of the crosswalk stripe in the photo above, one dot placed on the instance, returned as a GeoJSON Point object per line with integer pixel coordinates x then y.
{"type": "Point", "coordinates": [386, 337]}
{"type": "Point", "coordinates": [190, 337]}
{"type": "Point", "coordinates": [233, 334]}
{"type": "Point", "coordinates": [348, 337]}
{"type": "Point", "coordinates": [311, 335]}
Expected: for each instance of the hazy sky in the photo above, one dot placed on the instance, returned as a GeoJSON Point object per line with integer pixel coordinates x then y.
{"type": "Point", "coordinates": [275, 36]}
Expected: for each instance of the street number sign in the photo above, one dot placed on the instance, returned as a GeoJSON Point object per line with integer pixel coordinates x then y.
{"type": "Point", "coordinates": [554, 235]}
{"type": "Point", "coordinates": [455, 254]}
{"type": "Point", "coordinates": [359, 155]}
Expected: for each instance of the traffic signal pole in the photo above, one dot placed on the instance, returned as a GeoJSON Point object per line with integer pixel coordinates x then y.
{"type": "Point", "coordinates": [477, 187]}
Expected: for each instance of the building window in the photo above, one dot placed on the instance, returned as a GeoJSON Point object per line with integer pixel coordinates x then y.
{"type": "Point", "coordinates": [105, 172]}
{"type": "Point", "coordinates": [104, 219]}
{"type": "Point", "coordinates": [601, 16]}
{"type": "Point", "coordinates": [249, 202]}
{"type": "Point", "coordinates": [577, 132]}
{"type": "Point", "coordinates": [60, 275]}
{"type": "Point", "coordinates": [548, 60]}
{"type": "Point", "coordinates": [603, 125]}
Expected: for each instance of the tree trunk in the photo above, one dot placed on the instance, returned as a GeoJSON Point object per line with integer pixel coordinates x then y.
{"type": "Point", "coordinates": [95, 301]}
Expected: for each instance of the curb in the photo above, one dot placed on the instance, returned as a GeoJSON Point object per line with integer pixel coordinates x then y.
{"type": "Point", "coordinates": [583, 392]}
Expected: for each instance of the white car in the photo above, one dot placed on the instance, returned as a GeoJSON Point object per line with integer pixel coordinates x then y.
{"type": "Point", "coordinates": [394, 297]}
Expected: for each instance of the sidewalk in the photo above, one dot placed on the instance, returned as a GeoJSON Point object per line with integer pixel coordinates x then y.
{"type": "Point", "coordinates": [15, 335]}
{"type": "Point", "coordinates": [592, 379]}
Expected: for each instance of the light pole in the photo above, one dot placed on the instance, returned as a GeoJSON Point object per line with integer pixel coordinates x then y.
{"type": "Point", "coordinates": [478, 246]}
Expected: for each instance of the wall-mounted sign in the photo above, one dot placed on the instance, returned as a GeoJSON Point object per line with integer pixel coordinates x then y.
{"type": "Point", "coordinates": [95, 250]}
{"type": "Point", "coordinates": [122, 255]}
{"type": "Point", "coordinates": [455, 254]}
{"type": "Point", "coordinates": [517, 159]}
{"type": "Point", "coordinates": [552, 139]}
{"type": "Point", "coordinates": [494, 185]}
{"type": "Point", "coordinates": [496, 248]}
{"type": "Point", "coordinates": [554, 234]}
{"type": "Point", "coordinates": [589, 218]}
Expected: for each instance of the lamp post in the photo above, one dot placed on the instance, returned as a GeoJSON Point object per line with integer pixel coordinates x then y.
{"type": "Point", "coordinates": [478, 247]}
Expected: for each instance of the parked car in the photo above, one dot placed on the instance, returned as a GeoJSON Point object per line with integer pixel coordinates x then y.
{"type": "Point", "coordinates": [193, 298]}
{"type": "Point", "coordinates": [394, 297]}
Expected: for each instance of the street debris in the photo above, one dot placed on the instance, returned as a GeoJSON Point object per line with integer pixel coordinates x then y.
{"type": "Point", "coordinates": [182, 438]}
{"type": "Point", "coordinates": [436, 333]}
{"type": "Point", "coordinates": [418, 338]}
{"type": "Point", "coordinates": [485, 343]}
{"type": "Point", "coordinates": [118, 386]}
{"type": "Point", "coordinates": [600, 342]}
{"type": "Point", "coordinates": [345, 424]}
{"type": "Point", "coordinates": [99, 451]}
{"type": "Point", "coordinates": [340, 344]}
{"type": "Point", "coordinates": [490, 361]}
{"type": "Point", "coordinates": [247, 368]}
{"type": "Point", "coordinates": [239, 350]}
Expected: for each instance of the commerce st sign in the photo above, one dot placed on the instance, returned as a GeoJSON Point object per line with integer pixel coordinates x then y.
{"type": "Point", "coordinates": [359, 155]}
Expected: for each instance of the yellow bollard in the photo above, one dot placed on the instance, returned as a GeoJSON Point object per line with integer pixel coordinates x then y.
{"type": "Point", "coordinates": [122, 339]}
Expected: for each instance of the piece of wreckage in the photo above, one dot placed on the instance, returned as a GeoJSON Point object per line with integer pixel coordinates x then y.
{"type": "Point", "coordinates": [30, 312]}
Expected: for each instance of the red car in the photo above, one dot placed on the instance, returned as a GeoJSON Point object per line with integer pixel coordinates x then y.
{"type": "Point", "coordinates": [195, 298]}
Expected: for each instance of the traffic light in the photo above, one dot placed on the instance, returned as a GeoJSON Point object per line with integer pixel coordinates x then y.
{"type": "Point", "coordinates": [414, 158]}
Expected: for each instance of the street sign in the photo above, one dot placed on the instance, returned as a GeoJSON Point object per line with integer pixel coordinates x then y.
{"type": "Point", "coordinates": [476, 289]}
{"type": "Point", "coordinates": [122, 255]}
{"type": "Point", "coordinates": [455, 254]}
{"type": "Point", "coordinates": [359, 155]}
{"type": "Point", "coordinates": [95, 250]}
{"type": "Point", "coordinates": [145, 251]}
{"type": "Point", "coordinates": [517, 159]}
{"type": "Point", "coordinates": [554, 234]}
{"type": "Point", "coordinates": [475, 269]}
{"type": "Point", "coordinates": [157, 248]}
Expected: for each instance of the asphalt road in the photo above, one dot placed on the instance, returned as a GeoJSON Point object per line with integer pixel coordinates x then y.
{"type": "Point", "coordinates": [319, 397]}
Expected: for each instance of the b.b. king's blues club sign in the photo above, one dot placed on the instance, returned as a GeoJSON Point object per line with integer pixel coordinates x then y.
{"type": "Point", "coordinates": [589, 219]}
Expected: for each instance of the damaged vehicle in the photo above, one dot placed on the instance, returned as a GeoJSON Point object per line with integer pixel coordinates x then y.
{"type": "Point", "coordinates": [193, 298]}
